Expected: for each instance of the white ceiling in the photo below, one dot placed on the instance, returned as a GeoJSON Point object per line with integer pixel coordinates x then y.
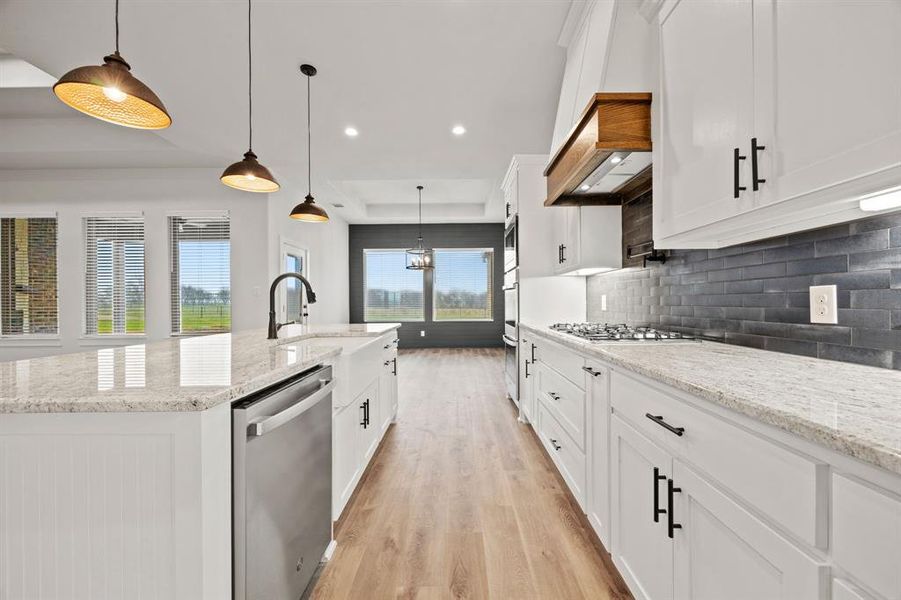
{"type": "Point", "coordinates": [402, 72]}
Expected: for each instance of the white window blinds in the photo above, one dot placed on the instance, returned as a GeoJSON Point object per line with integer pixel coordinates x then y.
{"type": "Point", "coordinates": [463, 284]}
{"type": "Point", "coordinates": [391, 291]}
{"type": "Point", "coordinates": [28, 283]}
{"type": "Point", "coordinates": [200, 267]}
{"type": "Point", "coordinates": [114, 275]}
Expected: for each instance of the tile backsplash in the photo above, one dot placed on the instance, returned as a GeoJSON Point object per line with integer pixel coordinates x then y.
{"type": "Point", "coordinates": [757, 294]}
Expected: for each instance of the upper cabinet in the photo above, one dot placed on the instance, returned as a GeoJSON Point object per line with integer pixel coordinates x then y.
{"type": "Point", "coordinates": [773, 116]}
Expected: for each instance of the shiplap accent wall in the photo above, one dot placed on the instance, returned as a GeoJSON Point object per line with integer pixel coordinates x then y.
{"type": "Point", "coordinates": [463, 235]}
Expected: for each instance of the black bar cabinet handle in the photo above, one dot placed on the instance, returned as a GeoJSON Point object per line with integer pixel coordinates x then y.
{"type": "Point", "coordinates": [367, 412]}
{"type": "Point", "coordinates": [755, 180]}
{"type": "Point", "coordinates": [659, 420]}
{"type": "Point", "coordinates": [657, 510]}
{"type": "Point", "coordinates": [394, 360]}
{"type": "Point", "coordinates": [591, 371]}
{"type": "Point", "coordinates": [527, 369]}
{"type": "Point", "coordinates": [363, 423]}
{"type": "Point", "coordinates": [533, 352]}
{"type": "Point", "coordinates": [555, 444]}
{"type": "Point", "coordinates": [670, 518]}
{"type": "Point", "coordinates": [562, 252]}
{"type": "Point", "coordinates": [736, 157]}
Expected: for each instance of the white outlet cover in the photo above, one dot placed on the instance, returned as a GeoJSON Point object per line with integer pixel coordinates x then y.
{"type": "Point", "coordinates": [603, 301]}
{"type": "Point", "coordinates": [824, 304]}
{"type": "Point", "coordinates": [421, 333]}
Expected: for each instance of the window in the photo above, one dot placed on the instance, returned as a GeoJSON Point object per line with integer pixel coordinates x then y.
{"type": "Point", "coordinates": [463, 284]}
{"type": "Point", "coordinates": [200, 267]}
{"type": "Point", "coordinates": [114, 275]}
{"type": "Point", "coordinates": [294, 260]}
{"type": "Point", "coordinates": [28, 287]}
{"type": "Point", "coordinates": [391, 291]}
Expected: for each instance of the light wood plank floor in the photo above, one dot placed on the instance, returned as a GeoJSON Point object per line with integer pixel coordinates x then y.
{"type": "Point", "coordinates": [461, 501]}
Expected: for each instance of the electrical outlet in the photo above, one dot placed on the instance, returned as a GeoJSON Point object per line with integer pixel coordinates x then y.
{"type": "Point", "coordinates": [824, 304]}
{"type": "Point", "coordinates": [422, 333]}
{"type": "Point", "coordinates": [603, 301]}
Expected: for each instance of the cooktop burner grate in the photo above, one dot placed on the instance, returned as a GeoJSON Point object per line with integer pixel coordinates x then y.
{"type": "Point", "coordinates": [603, 332]}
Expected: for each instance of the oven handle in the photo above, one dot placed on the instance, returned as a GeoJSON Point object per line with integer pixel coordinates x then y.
{"type": "Point", "coordinates": [264, 426]}
{"type": "Point", "coordinates": [509, 341]}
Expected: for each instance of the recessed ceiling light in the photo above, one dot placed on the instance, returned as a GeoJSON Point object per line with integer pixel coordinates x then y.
{"type": "Point", "coordinates": [585, 187]}
{"type": "Point", "coordinates": [458, 130]}
{"type": "Point", "coordinates": [351, 132]}
{"type": "Point", "coordinates": [616, 159]}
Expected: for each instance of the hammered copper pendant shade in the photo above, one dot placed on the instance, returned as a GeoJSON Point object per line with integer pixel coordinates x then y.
{"type": "Point", "coordinates": [308, 211]}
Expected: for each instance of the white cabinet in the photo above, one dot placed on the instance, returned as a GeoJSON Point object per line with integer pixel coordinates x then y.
{"type": "Point", "coordinates": [588, 239]}
{"type": "Point", "coordinates": [526, 378]}
{"type": "Point", "coordinates": [767, 125]}
{"type": "Point", "coordinates": [346, 464]}
{"type": "Point", "coordinates": [598, 400]}
{"type": "Point", "coordinates": [388, 393]}
{"type": "Point", "coordinates": [641, 549]}
{"type": "Point", "coordinates": [722, 551]}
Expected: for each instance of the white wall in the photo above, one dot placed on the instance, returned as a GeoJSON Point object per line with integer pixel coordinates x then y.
{"type": "Point", "coordinates": [157, 193]}
{"type": "Point", "coordinates": [327, 244]}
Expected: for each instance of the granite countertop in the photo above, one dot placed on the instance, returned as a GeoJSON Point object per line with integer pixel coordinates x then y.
{"type": "Point", "coordinates": [295, 333]}
{"type": "Point", "coordinates": [852, 409]}
{"type": "Point", "coordinates": [179, 374]}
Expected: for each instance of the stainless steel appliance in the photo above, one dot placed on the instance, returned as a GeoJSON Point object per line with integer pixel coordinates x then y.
{"type": "Point", "coordinates": [282, 486]}
{"type": "Point", "coordinates": [620, 332]}
{"type": "Point", "coordinates": [511, 333]}
{"type": "Point", "coordinates": [511, 239]}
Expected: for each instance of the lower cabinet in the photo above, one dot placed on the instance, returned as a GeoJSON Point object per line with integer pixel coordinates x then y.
{"type": "Point", "coordinates": [526, 377]}
{"type": "Point", "coordinates": [566, 454]}
{"type": "Point", "coordinates": [388, 393]}
{"type": "Point", "coordinates": [598, 483]}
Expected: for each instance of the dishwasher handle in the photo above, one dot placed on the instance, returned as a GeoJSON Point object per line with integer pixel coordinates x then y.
{"type": "Point", "coordinates": [264, 426]}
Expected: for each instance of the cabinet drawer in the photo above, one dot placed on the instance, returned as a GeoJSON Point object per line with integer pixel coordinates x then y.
{"type": "Point", "coordinates": [570, 460]}
{"type": "Point", "coordinates": [562, 360]}
{"type": "Point", "coordinates": [785, 486]}
{"type": "Point", "coordinates": [564, 400]}
{"type": "Point", "coordinates": [866, 534]}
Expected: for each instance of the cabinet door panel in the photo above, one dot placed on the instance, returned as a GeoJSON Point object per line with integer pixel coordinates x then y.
{"type": "Point", "coordinates": [828, 112]}
{"type": "Point", "coordinates": [706, 98]}
{"type": "Point", "coordinates": [346, 453]}
{"type": "Point", "coordinates": [641, 549]}
{"type": "Point", "coordinates": [721, 551]}
{"type": "Point", "coordinates": [599, 452]}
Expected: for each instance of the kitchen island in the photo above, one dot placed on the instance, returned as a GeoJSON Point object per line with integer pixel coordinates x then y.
{"type": "Point", "coordinates": [115, 464]}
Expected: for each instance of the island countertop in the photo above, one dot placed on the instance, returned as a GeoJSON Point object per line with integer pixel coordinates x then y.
{"type": "Point", "coordinates": [852, 409]}
{"type": "Point", "coordinates": [178, 374]}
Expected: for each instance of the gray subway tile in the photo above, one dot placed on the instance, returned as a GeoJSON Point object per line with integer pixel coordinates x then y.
{"type": "Point", "coordinates": [744, 339]}
{"type": "Point", "coordinates": [765, 328]}
{"type": "Point", "coordinates": [880, 259]}
{"type": "Point", "coordinates": [824, 233]}
{"type": "Point", "coordinates": [710, 312]}
{"type": "Point", "coordinates": [765, 300]}
{"type": "Point", "coordinates": [708, 288]}
{"type": "Point", "coordinates": [774, 242]}
{"type": "Point", "coordinates": [745, 313]}
{"type": "Point", "coordinates": [682, 311]}
{"type": "Point", "coordinates": [727, 251]}
{"type": "Point", "coordinates": [861, 242]}
{"type": "Point", "coordinates": [693, 277]}
{"type": "Point", "coordinates": [708, 265]}
{"type": "Point", "coordinates": [763, 271]}
{"type": "Point", "coordinates": [829, 334]}
{"type": "Point", "coordinates": [857, 280]}
{"type": "Point", "coordinates": [895, 237]}
{"type": "Point", "coordinates": [796, 252]}
{"type": "Point", "coordinates": [812, 266]}
{"type": "Point", "coordinates": [743, 260]}
{"type": "Point", "coordinates": [896, 279]}
{"type": "Point", "coordinates": [800, 347]}
{"type": "Point", "coordinates": [885, 221]}
{"type": "Point", "coordinates": [886, 339]}
{"type": "Point", "coordinates": [861, 356]}
{"type": "Point", "coordinates": [885, 299]}
{"type": "Point", "coordinates": [799, 299]}
{"type": "Point", "coordinates": [754, 286]}
{"type": "Point", "coordinates": [872, 318]}
{"type": "Point", "coordinates": [896, 319]}
{"type": "Point", "coordinates": [788, 315]}
{"type": "Point", "coordinates": [733, 274]}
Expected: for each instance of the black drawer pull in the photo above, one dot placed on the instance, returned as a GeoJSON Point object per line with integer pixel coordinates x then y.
{"type": "Point", "coordinates": [555, 444]}
{"type": "Point", "coordinates": [554, 396]}
{"type": "Point", "coordinates": [736, 157]}
{"type": "Point", "coordinates": [533, 352]}
{"type": "Point", "coordinates": [671, 524]}
{"type": "Point", "coordinates": [592, 372]}
{"type": "Point", "coordinates": [394, 371]}
{"type": "Point", "coordinates": [659, 420]}
{"type": "Point", "coordinates": [527, 369]}
{"type": "Point", "coordinates": [755, 179]}
{"type": "Point", "coordinates": [657, 510]}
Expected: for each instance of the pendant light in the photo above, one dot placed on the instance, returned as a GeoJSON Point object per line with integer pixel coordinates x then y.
{"type": "Point", "coordinates": [110, 92]}
{"type": "Point", "coordinates": [420, 258]}
{"type": "Point", "coordinates": [308, 210]}
{"type": "Point", "coordinates": [248, 174]}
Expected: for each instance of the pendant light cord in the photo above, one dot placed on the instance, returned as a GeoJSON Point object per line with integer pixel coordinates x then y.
{"type": "Point", "coordinates": [249, 81]}
{"type": "Point", "coordinates": [117, 26]}
{"type": "Point", "coordinates": [309, 144]}
{"type": "Point", "coordinates": [420, 216]}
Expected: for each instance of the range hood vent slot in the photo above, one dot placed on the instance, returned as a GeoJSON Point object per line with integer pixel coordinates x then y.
{"type": "Point", "coordinates": [606, 159]}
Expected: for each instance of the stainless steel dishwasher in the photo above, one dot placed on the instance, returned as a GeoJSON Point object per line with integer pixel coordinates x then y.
{"type": "Point", "coordinates": [282, 486]}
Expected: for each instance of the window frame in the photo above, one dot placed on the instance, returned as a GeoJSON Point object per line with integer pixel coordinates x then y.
{"type": "Point", "coordinates": [490, 290]}
{"type": "Point", "coordinates": [36, 339]}
{"type": "Point", "coordinates": [173, 272]}
{"type": "Point", "coordinates": [94, 338]}
{"type": "Point", "coordinates": [366, 289]}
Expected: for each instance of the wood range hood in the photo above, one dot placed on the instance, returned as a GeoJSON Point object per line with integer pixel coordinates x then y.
{"type": "Point", "coordinates": [606, 159]}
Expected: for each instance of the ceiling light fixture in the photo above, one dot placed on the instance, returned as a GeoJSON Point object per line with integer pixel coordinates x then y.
{"type": "Point", "coordinates": [883, 200]}
{"type": "Point", "coordinates": [308, 210]}
{"type": "Point", "coordinates": [248, 174]}
{"type": "Point", "coordinates": [110, 92]}
{"type": "Point", "coordinates": [585, 187]}
{"type": "Point", "coordinates": [616, 159]}
{"type": "Point", "coordinates": [458, 130]}
{"type": "Point", "coordinates": [351, 132]}
{"type": "Point", "coordinates": [420, 258]}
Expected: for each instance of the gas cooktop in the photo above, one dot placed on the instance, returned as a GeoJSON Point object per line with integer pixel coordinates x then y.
{"type": "Point", "coordinates": [609, 332]}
